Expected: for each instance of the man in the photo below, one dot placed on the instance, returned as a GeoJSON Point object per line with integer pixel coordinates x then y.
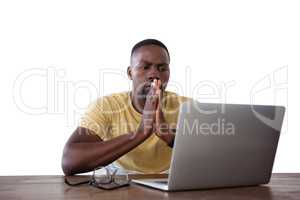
{"type": "Point", "coordinates": [135, 128]}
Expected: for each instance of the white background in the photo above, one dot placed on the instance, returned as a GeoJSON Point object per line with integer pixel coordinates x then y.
{"type": "Point", "coordinates": [57, 56]}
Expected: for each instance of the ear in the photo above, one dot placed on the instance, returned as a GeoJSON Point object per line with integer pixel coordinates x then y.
{"type": "Point", "coordinates": [129, 72]}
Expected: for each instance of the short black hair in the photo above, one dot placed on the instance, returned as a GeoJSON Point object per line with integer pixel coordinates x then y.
{"type": "Point", "coordinates": [149, 42]}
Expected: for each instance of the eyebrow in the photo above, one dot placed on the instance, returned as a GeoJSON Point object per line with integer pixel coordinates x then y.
{"type": "Point", "coordinates": [146, 62]}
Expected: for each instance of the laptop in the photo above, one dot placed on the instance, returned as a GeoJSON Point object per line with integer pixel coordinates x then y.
{"type": "Point", "coordinates": [222, 145]}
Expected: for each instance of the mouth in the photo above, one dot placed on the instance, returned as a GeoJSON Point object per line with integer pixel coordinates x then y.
{"type": "Point", "coordinates": [150, 83]}
{"type": "Point", "coordinates": [147, 88]}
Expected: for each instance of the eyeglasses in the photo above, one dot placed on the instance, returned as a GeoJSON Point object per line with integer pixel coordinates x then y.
{"type": "Point", "coordinates": [110, 180]}
{"type": "Point", "coordinates": [105, 178]}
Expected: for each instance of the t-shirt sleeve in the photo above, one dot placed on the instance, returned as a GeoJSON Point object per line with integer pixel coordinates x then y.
{"type": "Point", "coordinates": [183, 99]}
{"type": "Point", "coordinates": [97, 118]}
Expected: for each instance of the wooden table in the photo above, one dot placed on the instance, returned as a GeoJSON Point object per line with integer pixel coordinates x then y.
{"type": "Point", "coordinates": [282, 186]}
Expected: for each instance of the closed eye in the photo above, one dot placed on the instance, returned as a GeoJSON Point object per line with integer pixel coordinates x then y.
{"type": "Point", "coordinates": [146, 66]}
{"type": "Point", "coordinates": [162, 68]}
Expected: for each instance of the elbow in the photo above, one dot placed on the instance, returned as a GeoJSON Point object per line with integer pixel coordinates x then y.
{"type": "Point", "coordinates": [72, 162]}
{"type": "Point", "coordinates": [66, 163]}
{"type": "Point", "coordinates": [67, 169]}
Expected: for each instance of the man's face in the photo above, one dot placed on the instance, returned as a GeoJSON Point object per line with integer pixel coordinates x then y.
{"type": "Point", "coordinates": [148, 63]}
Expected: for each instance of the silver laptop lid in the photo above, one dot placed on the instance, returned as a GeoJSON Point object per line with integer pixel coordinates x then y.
{"type": "Point", "coordinates": [219, 145]}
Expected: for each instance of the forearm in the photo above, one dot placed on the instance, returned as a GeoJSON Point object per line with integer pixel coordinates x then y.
{"type": "Point", "coordinates": [86, 156]}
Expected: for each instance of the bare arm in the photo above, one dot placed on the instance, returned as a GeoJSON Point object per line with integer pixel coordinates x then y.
{"type": "Point", "coordinates": [85, 151]}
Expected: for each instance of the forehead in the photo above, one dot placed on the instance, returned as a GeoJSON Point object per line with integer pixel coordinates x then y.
{"type": "Point", "coordinates": [151, 54]}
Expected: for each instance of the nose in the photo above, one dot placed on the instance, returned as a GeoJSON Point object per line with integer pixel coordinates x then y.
{"type": "Point", "coordinates": [153, 74]}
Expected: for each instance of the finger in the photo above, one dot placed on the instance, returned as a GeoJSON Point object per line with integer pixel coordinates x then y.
{"type": "Point", "coordinates": [157, 92]}
{"type": "Point", "coordinates": [154, 94]}
{"type": "Point", "coordinates": [153, 84]}
{"type": "Point", "coordinates": [152, 100]}
{"type": "Point", "coordinates": [158, 84]}
{"type": "Point", "coordinates": [157, 117]}
{"type": "Point", "coordinates": [158, 107]}
{"type": "Point", "coordinates": [152, 90]}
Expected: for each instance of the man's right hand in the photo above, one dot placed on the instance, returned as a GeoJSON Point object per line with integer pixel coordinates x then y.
{"type": "Point", "coordinates": [148, 118]}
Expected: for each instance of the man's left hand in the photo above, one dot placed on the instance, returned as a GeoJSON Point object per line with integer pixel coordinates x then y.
{"type": "Point", "coordinates": [162, 129]}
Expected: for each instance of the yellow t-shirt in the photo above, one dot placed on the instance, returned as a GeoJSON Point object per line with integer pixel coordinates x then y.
{"type": "Point", "coordinates": [114, 115]}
